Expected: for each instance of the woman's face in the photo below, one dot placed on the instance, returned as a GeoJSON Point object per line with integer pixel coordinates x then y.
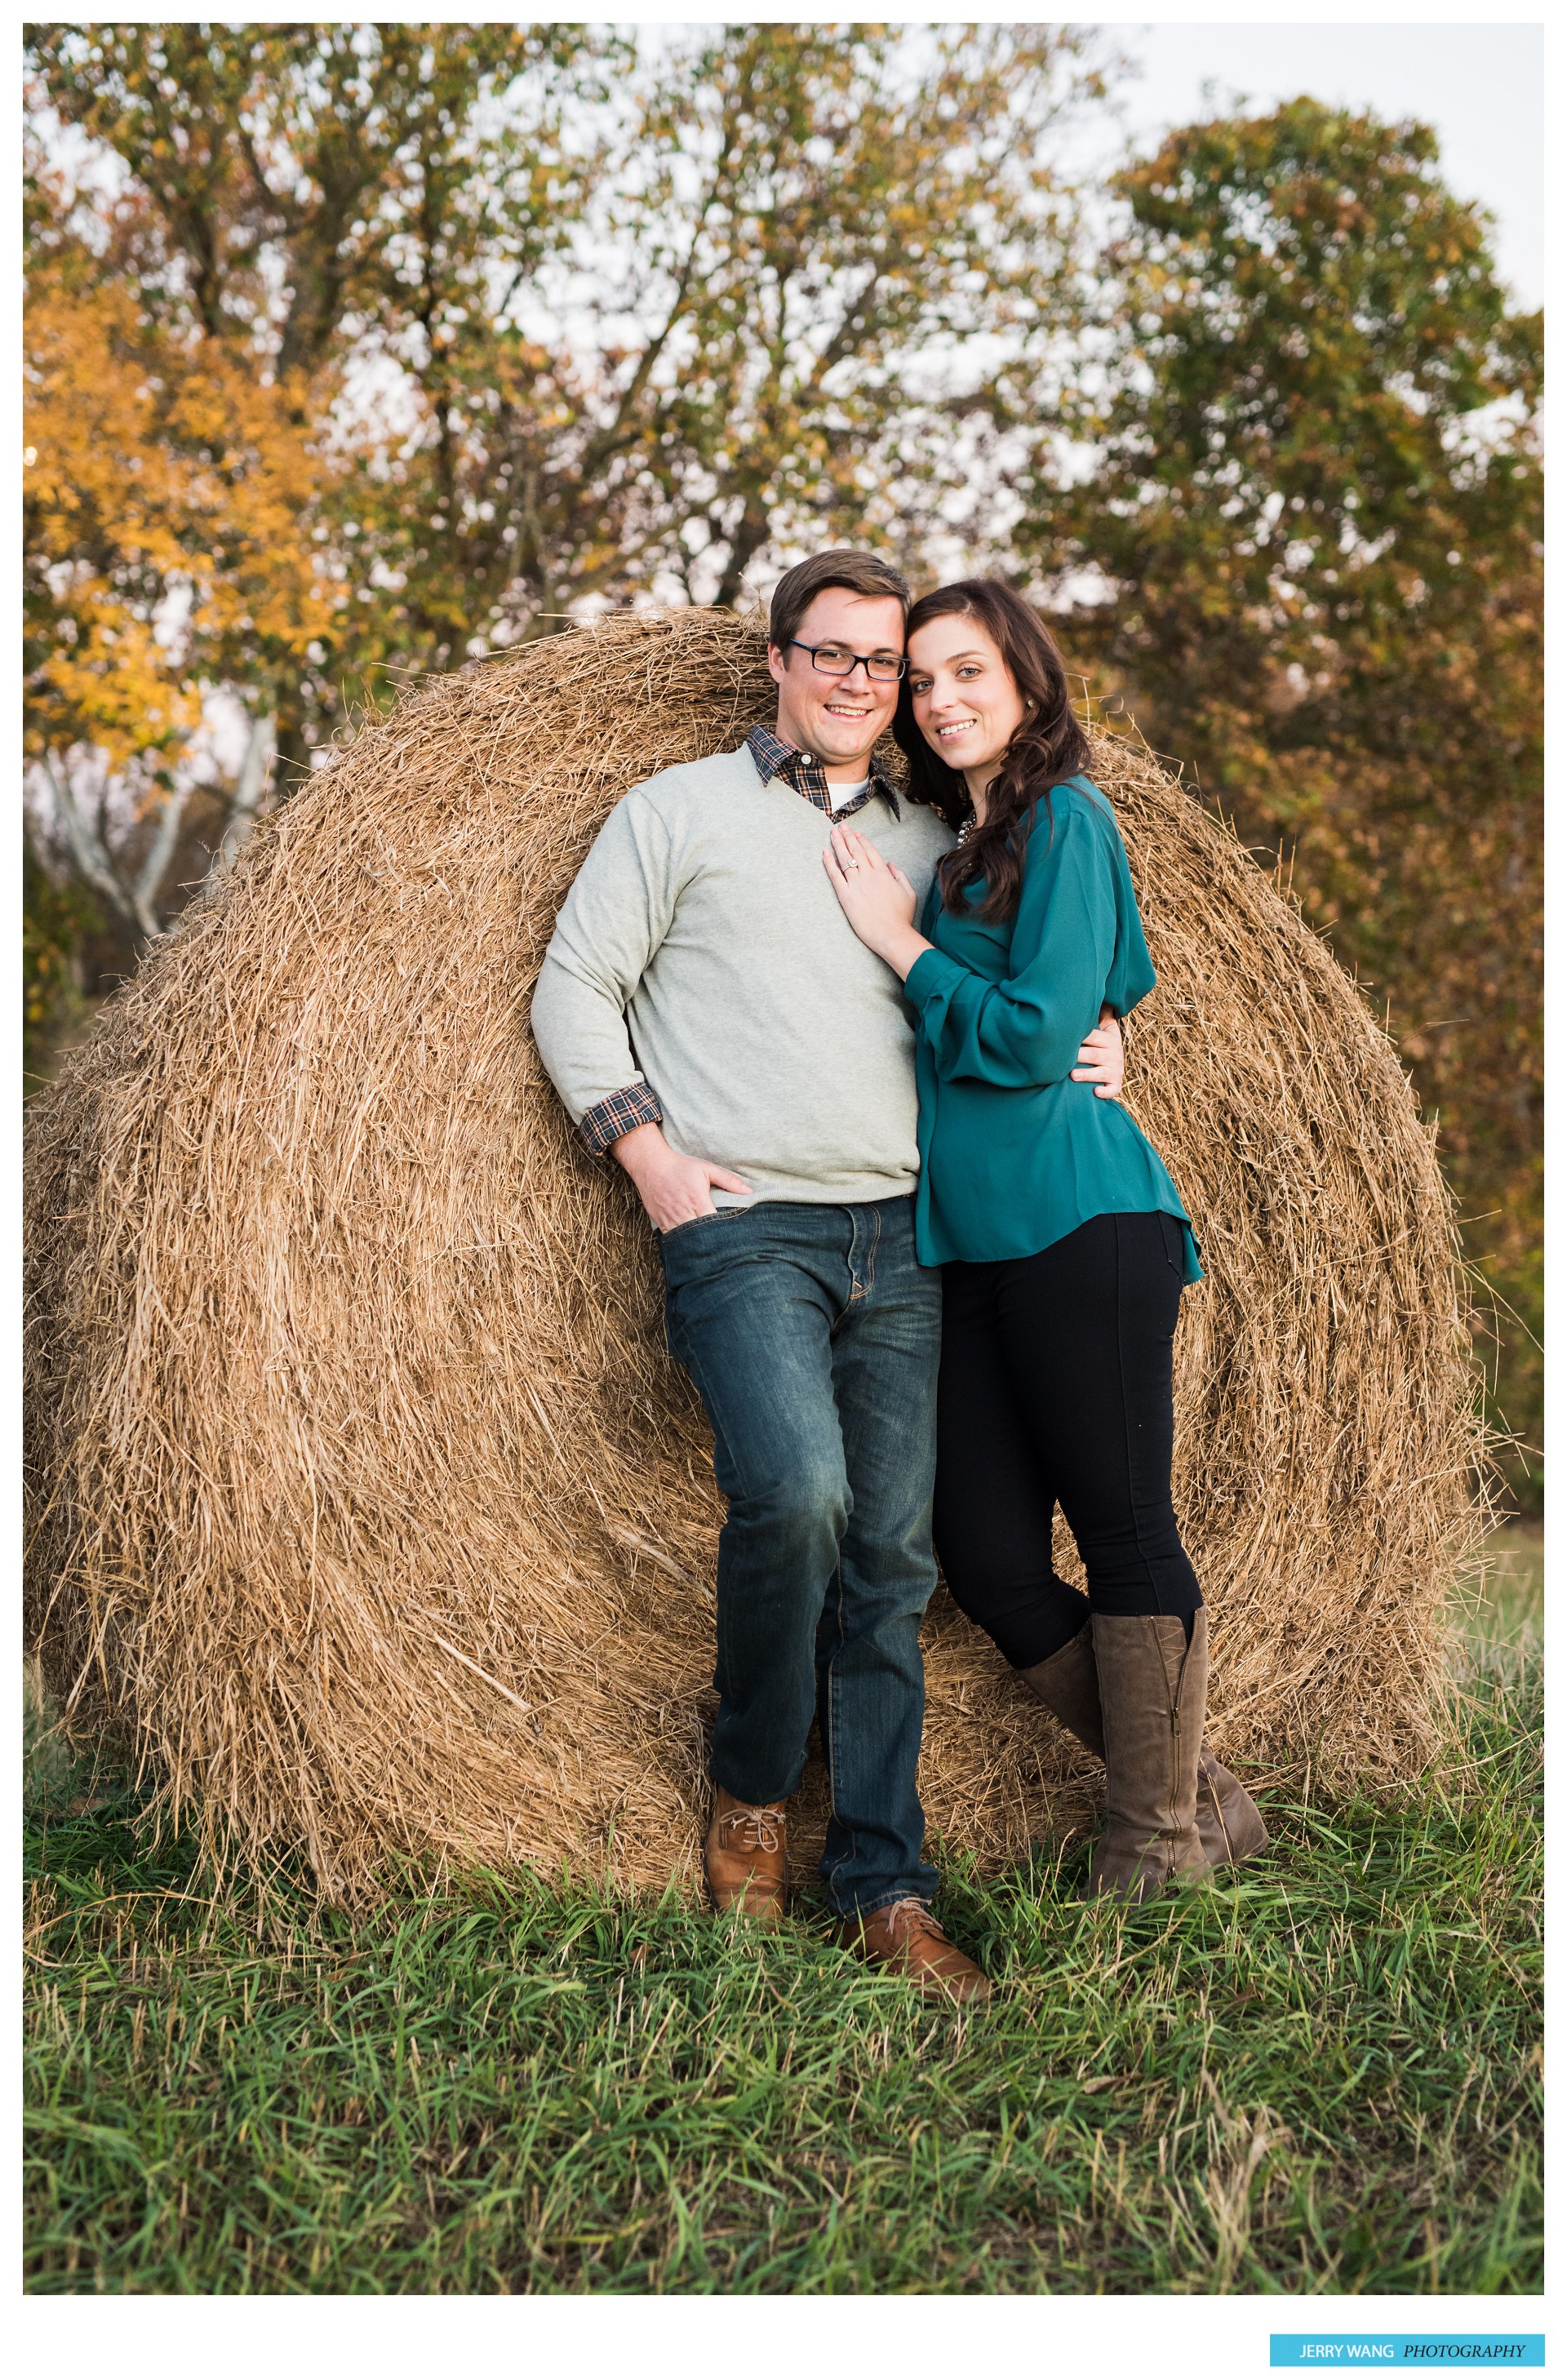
{"type": "Point", "coordinates": [965, 699]}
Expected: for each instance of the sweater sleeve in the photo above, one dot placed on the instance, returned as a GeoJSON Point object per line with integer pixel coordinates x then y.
{"type": "Point", "coordinates": [615, 916]}
{"type": "Point", "coordinates": [1027, 1030]}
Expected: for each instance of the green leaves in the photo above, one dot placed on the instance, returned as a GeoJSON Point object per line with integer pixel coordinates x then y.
{"type": "Point", "coordinates": [1315, 512]}
{"type": "Point", "coordinates": [329, 151]}
{"type": "Point", "coordinates": [586, 317]}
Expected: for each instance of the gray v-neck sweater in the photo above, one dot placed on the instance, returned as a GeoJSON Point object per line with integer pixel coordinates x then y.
{"type": "Point", "coordinates": [702, 949]}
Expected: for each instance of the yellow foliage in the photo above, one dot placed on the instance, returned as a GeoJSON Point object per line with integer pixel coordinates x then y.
{"type": "Point", "coordinates": [170, 492]}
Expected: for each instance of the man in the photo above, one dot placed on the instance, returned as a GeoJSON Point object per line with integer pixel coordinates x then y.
{"type": "Point", "coordinates": [707, 1014]}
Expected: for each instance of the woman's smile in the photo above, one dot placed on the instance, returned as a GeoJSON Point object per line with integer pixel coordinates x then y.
{"type": "Point", "coordinates": [964, 700]}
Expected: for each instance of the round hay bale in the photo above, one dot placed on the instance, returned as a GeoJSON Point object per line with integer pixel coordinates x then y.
{"type": "Point", "coordinates": [365, 1501]}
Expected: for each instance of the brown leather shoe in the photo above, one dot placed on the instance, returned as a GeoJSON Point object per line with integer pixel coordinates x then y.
{"type": "Point", "coordinates": [906, 1940]}
{"type": "Point", "coordinates": [747, 1858]}
{"type": "Point", "coordinates": [1229, 1823]}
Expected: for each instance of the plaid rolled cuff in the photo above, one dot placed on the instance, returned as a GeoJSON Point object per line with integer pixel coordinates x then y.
{"type": "Point", "coordinates": [617, 1115]}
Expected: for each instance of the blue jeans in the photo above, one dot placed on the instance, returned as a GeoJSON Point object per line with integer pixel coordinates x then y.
{"type": "Point", "coordinates": [814, 1336]}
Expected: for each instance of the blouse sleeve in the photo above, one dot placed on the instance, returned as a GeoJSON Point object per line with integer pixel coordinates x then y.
{"type": "Point", "coordinates": [1026, 1031]}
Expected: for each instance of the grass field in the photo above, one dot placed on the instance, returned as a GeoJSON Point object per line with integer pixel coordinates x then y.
{"type": "Point", "coordinates": [1322, 2075]}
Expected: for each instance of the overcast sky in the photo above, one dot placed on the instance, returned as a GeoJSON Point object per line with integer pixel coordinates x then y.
{"type": "Point", "coordinates": [1481, 89]}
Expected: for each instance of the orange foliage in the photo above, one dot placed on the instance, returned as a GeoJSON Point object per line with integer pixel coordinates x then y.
{"type": "Point", "coordinates": [170, 495]}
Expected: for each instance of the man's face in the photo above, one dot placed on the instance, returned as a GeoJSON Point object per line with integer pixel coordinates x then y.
{"type": "Point", "coordinates": [838, 719]}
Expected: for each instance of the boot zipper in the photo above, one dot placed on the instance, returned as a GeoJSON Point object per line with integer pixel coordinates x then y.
{"type": "Point", "coordinates": [1174, 1693]}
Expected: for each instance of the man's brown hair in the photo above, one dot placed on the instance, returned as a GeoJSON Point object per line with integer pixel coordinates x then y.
{"type": "Point", "coordinates": [841, 565]}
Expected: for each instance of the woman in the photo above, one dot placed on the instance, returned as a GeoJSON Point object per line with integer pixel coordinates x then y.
{"type": "Point", "coordinates": [1062, 1240]}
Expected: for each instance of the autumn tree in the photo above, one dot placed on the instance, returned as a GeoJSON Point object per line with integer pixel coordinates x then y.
{"type": "Point", "coordinates": [167, 506]}
{"type": "Point", "coordinates": [814, 229]}
{"type": "Point", "coordinates": [195, 305]}
{"type": "Point", "coordinates": [608, 314]}
{"type": "Point", "coordinates": [289, 192]}
{"type": "Point", "coordinates": [1313, 515]}
{"type": "Point", "coordinates": [561, 321]}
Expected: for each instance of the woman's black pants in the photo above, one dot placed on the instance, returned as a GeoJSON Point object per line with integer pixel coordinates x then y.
{"type": "Point", "coordinates": [1056, 1388]}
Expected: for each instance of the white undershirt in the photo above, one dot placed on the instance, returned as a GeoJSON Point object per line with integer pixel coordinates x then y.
{"type": "Point", "coordinates": [839, 794]}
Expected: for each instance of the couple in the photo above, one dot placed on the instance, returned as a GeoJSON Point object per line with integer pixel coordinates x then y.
{"type": "Point", "coordinates": [855, 1046]}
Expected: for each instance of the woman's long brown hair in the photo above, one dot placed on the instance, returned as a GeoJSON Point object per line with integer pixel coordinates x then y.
{"type": "Point", "coordinates": [1049, 746]}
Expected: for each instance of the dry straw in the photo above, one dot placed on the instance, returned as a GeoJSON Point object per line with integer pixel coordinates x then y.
{"type": "Point", "coordinates": [366, 1504]}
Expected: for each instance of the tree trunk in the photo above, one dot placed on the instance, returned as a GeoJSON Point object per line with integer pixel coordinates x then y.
{"type": "Point", "coordinates": [255, 775]}
{"type": "Point", "coordinates": [747, 542]}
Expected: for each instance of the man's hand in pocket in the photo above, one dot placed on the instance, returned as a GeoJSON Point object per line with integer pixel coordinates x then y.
{"type": "Point", "coordinates": [673, 1188]}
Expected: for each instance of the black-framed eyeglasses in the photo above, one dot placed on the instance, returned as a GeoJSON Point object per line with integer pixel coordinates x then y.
{"type": "Point", "coordinates": [836, 661]}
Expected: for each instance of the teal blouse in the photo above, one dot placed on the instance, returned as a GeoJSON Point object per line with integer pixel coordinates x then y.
{"type": "Point", "coordinates": [1013, 1154]}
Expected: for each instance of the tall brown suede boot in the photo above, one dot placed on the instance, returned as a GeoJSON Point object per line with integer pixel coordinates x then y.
{"type": "Point", "coordinates": [1229, 1822]}
{"type": "Point", "coordinates": [1153, 1697]}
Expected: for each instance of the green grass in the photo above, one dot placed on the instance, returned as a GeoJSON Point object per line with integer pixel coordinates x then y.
{"type": "Point", "coordinates": [1322, 2076]}
{"type": "Point", "coordinates": [1503, 1601]}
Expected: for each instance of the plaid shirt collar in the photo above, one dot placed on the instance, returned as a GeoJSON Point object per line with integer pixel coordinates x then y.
{"type": "Point", "coordinates": [808, 775]}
